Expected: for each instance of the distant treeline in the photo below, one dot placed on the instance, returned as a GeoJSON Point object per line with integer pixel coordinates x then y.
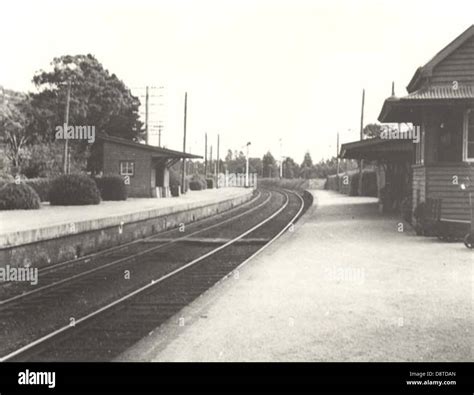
{"type": "Point", "coordinates": [269, 167]}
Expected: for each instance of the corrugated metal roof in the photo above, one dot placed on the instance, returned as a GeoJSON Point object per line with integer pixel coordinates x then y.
{"type": "Point", "coordinates": [441, 92]}
{"type": "Point", "coordinates": [160, 152]}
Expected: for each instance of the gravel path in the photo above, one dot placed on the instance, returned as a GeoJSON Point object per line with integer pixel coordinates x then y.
{"type": "Point", "coordinates": [346, 285]}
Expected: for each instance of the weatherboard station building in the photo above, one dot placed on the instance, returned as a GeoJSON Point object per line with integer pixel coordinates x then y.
{"type": "Point", "coordinates": [440, 106]}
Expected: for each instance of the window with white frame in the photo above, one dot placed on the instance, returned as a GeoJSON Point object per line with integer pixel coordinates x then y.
{"type": "Point", "coordinates": [127, 168]}
{"type": "Point", "coordinates": [468, 136]}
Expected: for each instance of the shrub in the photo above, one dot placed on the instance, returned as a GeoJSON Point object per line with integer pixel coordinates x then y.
{"type": "Point", "coordinates": [42, 187]}
{"type": "Point", "coordinates": [45, 160]}
{"type": "Point", "coordinates": [369, 183]}
{"type": "Point", "coordinates": [74, 189]}
{"type": "Point", "coordinates": [18, 197]}
{"type": "Point", "coordinates": [210, 183]}
{"type": "Point", "coordinates": [6, 179]}
{"type": "Point", "coordinates": [195, 185]}
{"type": "Point", "coordinates": [354, 185]}
{"type": "Point", "coordinates": [196, 179]}
{"type": "Point", "coordinates": [331, 183]}
{"type": "Point", "coordinates": [111, 187]}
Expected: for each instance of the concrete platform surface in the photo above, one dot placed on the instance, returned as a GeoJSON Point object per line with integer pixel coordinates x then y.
{"type": "Point", "coordinates": [26, 226]}
{"type": "Point", "coordinates": [347, 285]}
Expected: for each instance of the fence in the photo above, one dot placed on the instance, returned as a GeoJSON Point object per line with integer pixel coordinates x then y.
{"type": "Point", "coordinates": [236, 180]}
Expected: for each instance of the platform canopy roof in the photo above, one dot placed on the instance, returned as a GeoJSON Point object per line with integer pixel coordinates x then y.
{"type": "Point", "coordinates": [432, 84]}
{"type": "Point", "coordinates": [405, 109]}
{"type": "Point", "coordinates": [156, 152]}
{"type": "Point", "coordinates": [378, 149]}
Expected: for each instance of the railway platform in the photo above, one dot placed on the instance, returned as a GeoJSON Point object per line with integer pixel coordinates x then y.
{"type": "Point", "coordinates": [364, 288]}
{"type": "Point", "coordinates": [56, 233]}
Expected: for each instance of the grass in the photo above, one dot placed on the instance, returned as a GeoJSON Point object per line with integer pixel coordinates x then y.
{"type": "Point", "coordinates": [293, 183]}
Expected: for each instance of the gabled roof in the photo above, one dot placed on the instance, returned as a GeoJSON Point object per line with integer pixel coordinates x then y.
{"type": "Point", "coordinates": [424, 90]}
{"type": "Point", "coordinates": [427, 70]}
{"type": "Point", "coordinates": [156, 151]}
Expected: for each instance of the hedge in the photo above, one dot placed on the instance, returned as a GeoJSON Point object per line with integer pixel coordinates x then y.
{"type": "Point", "coordinates": [111, 187]}
{"type": "Point", "coordinates": [6, 179]}
{"type": "Point", "coordinates": [195, 185]}
{"type": "Point", "coordinates": [348, 183]}
{"type": "Point", "coordinates": [197, 182]}
{"type": "Point", "coordinates": [42, 187]}
{"type": "Point", "coordinates": [18, 197]}
{"type": "Point", "coordinates": [74, 189]}
{"type": "Point", "coordinates": [210, 183]}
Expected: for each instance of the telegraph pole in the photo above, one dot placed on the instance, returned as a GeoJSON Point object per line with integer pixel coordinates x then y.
{"type": "Point", "coordinates": [281, 161]}
{"type": "Point", "coordinates": [361, 161]}
{"type": "Point", "coordinates": [147, 133]}
{"type": "Point", "coordinates": [217, 165]}
{"type": "Point", "coordinates": [337, 157]}
{"type": "Point", "coordinates": [205, 156]}
{"type": "Point", "coordinates": [183, 167]}
{"type": "Point", "coordinates": [66, 122]}
{"type": "Point", "coordinates": [210, 158]}
{"type": "Point", "coordinates": [247, 167]}
{"type": "Point", "coordinates": [160, 127]}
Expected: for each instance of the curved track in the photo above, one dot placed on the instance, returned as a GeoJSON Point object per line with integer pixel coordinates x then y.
{"type": "Point", "coordinates": [97, 313]}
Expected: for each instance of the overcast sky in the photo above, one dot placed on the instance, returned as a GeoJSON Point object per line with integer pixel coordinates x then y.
{"type": "Point", "coordinates": [254, 70]}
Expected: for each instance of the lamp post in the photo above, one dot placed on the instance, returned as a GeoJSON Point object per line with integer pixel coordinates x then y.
{"type": "Point", "coordinates": [247, 167]}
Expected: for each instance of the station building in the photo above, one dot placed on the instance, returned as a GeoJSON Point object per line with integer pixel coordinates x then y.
{"type": "Point", "coordinates": [144, 167]}
{"type": "Point", "coordinates": [440, 104]}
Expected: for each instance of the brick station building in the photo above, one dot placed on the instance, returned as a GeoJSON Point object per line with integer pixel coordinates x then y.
{"type": "Point", "coordinates": [144, 167]}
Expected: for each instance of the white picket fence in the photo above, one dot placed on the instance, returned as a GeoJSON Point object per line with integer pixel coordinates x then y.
{"type": "Point", "coordinates": [236, 180]}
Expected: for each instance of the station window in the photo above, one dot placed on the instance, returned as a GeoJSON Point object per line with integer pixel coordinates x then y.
{"type": "Point", "coordinates": [127, 168]}
{"type": "Point", "coordinates": [468, 141]}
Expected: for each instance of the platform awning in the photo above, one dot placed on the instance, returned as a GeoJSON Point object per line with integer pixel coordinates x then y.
{"type": "Point", "coordinates": [379, 149]}
{"type": "Point", "coordinates": [406, 109]}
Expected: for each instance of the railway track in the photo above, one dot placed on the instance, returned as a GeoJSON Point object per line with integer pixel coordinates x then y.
{"type": "Point", "coordinates": [95, 314]}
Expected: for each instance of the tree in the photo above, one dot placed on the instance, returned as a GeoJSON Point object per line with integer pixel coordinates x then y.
{"type": "Point", "coordinates": [290, 168]}
{"type": "Point", "coordinates": [256, 166]}
{"type": "Point", "coordinates": [98, 98]}
{"type": "Point", "coordinates": [15, 117]}
{"type": "Point", "coordinates": [307, 161]}
{"type": "Point", "coordinates": [307, 166]}
{"type": "Point", "coordinates": [268, 164]}
{"type": "Point", "coordinates": [374, 130]}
